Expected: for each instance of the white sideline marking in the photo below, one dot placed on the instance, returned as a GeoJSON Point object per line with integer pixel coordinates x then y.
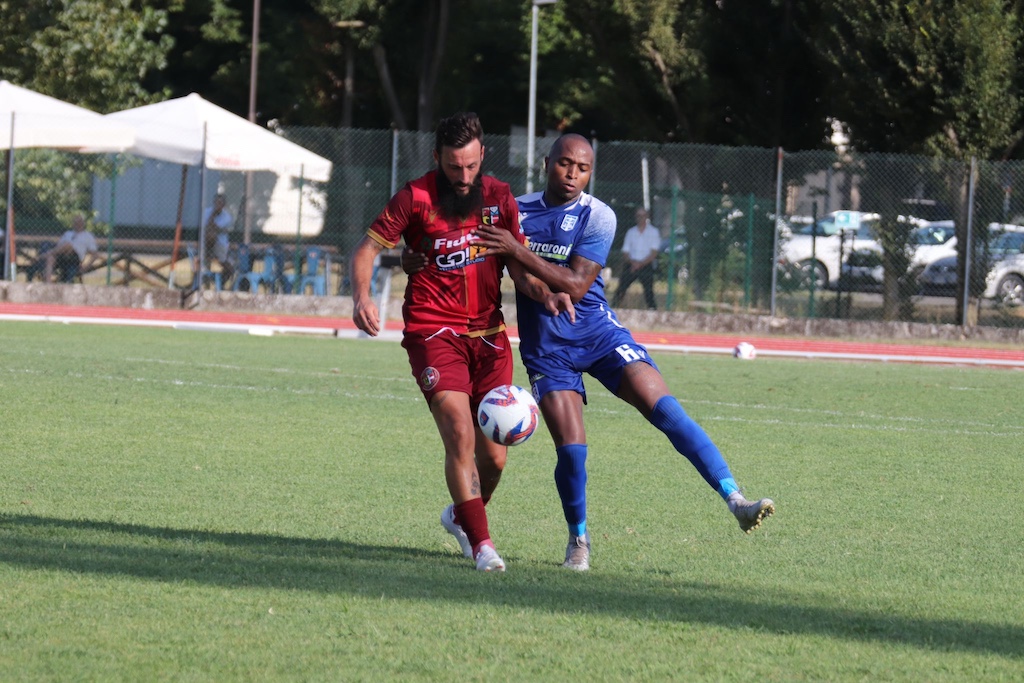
{"type": "Point", "coordinates": [982, 429]}
{"type": "Point", "coordinates": [269, 330]}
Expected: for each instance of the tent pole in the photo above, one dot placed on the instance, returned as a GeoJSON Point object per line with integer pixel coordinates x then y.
{"type": "Point", "coordinates": [11, 259]}
{"type": "Point", "coordinates": [177, 226]}
{"type": "Point", "coordinates": [298, 229]}
{"type": "Point", "coordinates": [202, 199]}
{"type": "Point", "coordinates": [110, 233]}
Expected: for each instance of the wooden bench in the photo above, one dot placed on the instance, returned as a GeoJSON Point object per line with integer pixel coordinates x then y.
{"type": "Point", "coordinates": [145, 260]}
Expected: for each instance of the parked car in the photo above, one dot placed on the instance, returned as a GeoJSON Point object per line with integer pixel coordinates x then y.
{"type": "Point", "coordinates": [814, 249]}
{"type": "Point", "coordinates": [673, 251]}
{"type": "Point", "coordinates": [930, 241]}
{"type": "Point", "coordinates": [1004, 279]}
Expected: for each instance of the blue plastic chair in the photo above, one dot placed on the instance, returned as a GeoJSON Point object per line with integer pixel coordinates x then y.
{"type": "Point", "coordinates": [245, 273]}
{"type": "Point", "coordinates": [313, 277]}
{"type": "Point", "coordinates": [273, 270]}
{"type": "Point", "coordinates": [202, 276]}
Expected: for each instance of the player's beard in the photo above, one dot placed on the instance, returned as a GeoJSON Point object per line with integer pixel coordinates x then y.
{"type": "Point", "coordinates": [459, 206]}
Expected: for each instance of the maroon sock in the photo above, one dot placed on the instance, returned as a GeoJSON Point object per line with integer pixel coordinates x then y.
{"type": "Point", "coordinates": [473, 521]}
{"type": "Point", "coordinates": [455, 511]}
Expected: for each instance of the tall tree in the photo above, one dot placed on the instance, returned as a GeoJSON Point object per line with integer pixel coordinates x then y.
{"type": "Point", "coordinates": [933, 77]}
{"type": "Point", "coordinates": [924, 76]}
{"type": "Point", "coordinates": [94, 53]}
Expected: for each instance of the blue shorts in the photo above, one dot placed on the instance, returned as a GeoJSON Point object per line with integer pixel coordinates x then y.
{"type": "Point", "coordinates": [603, 359]}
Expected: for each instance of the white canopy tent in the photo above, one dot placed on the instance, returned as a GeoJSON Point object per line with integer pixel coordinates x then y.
{"type": "Point", "coordinates": [189, 130]}
{"type": "Point", "coordinates": [31, 119]}
{"type": "Point", "coordinates": [193, 132]}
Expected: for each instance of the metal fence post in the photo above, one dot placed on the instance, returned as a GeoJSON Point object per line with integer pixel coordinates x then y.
{"type": "Point", "coordinates": [814, 258]}
{"type": "Point", "coordinates": [593, 171]}
{"type": "Point", "coordinates": [775, 228]}
{"type": "Point", "coordinates": [967, 247]}
{"type": "Point", "coordinates": [750, 253]}
{"type": "Point", "coordinates": [394, 161]}
{"type": "Point", "coordinates": [672, 249]}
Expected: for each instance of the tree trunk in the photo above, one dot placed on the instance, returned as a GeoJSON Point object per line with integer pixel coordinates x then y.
{"type": "Point", "coordinates": [380, 58]}
{"type": "Point", "coordinates": [349, 84]}
{"type": "Point", "coordinates": [434, 40]}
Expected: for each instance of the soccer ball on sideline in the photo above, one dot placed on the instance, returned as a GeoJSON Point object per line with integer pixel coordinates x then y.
{"type": "Point", "coordinates": [508, 415]}
{"type": "Point", "coordinates": [745, 351]}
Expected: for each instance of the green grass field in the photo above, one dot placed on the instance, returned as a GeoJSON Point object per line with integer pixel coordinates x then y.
{"type": "Point", "coordinates": [217, 507]}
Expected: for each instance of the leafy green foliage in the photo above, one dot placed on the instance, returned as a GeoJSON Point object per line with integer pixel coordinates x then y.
{"type": "Point", "coordinates": [91, 53]}
{"type": "Point", "coordinates": [924, 76]}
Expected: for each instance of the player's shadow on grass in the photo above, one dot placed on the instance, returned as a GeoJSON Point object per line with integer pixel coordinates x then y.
{"type": "Point", "coordinates": [334, 566]}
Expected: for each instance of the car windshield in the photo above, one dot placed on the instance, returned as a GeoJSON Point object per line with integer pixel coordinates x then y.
{"type": "Point", "coordinates": [824, 227]}
{"type": "Point", "coordinates": [1008, 243]}
{"type": "Point", "coordinates": [829, 226]}
{"type": "Point", "coordinates": [928, 235]}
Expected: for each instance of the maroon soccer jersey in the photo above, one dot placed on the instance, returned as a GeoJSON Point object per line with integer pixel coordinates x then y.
{"type": "Point", "coordinates": [460, 288]}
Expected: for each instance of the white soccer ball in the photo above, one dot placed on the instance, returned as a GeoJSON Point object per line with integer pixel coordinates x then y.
{"type": "Point", "coordinates": [745, 351]}
{"type": "Point", "coordinates": [508, 415]}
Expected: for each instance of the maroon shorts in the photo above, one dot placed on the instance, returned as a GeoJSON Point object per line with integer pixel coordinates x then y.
{"type": "Point", "coordinates": [449, 362]}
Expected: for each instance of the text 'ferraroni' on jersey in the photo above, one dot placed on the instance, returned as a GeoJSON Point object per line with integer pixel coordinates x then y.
{"type": "Point", "coordinates": [552, 252]}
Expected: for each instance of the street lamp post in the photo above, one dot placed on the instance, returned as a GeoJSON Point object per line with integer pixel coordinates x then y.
{"type": "Point", "coordinates": [253, 70]}
{"type": "Point", "coordinates": [531, 119]}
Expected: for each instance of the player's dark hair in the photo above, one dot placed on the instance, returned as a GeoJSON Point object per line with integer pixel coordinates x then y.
{"type": "Point", "coordinates": [458, 130]}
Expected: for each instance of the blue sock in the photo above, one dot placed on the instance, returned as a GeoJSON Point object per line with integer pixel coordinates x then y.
{"type": "Point", "coordinates": [692, 441]}
{"type": "Point", "coordinates": [571, 482]}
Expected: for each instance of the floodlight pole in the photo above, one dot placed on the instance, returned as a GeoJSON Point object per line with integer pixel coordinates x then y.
{"type": "Point", "coordinates": [531, 119]}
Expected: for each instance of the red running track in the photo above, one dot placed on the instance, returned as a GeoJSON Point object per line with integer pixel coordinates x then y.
{"type": "Point", "coordinates": [262, 323]}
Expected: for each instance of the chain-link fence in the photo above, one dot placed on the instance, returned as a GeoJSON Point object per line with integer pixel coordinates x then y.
{"type": "Point", "coordinates": [744, 230]}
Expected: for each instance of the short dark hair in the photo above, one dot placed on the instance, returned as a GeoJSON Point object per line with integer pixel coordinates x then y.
{"type": "Point", "coordinates": [458, 130]}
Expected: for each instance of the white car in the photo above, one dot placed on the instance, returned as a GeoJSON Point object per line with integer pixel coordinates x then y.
{"type": "Point", "coordinates": [930, 241]}
{"type": "Point", "coordinates": [1005, 278]}
{"type": "Point", "coordinates": [1005, 281]}
{"type": "Point", "coordinates": [815, 249]}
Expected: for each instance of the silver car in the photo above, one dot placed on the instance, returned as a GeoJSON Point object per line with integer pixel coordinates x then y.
{"type": "Point", "coordinates": [1004, 280]}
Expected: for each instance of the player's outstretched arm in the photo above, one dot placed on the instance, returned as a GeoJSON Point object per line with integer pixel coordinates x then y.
{"type": "Point", "coordinates": [364, 309]}
{"type": "Point", "coordinates": [500, 242]}
{"type": "Point", "coordinates": [555, 302]}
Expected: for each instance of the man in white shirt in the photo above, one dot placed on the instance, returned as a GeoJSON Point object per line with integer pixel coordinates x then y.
{"type": "Point", "coordinates": [219, 221]}
{"type": "Point", "coordinates": [74, 252]}
{"type": "Point", "coordinates": [641, 246]}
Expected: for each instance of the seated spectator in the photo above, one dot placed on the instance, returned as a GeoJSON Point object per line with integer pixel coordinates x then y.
{"type": "Point", "coordinates": [218, 222]}
{"type": "Point", "coordinates": [74, 253]}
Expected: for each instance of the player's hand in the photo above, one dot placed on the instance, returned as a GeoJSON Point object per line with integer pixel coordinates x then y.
{"type": "Point", "coordinates": [413, 261]}
{"type": "Point", "coordinates": [365, 315]}
{"type": "Point", "coordinates": [559, 302]}
{"type": "Point", "coordinates": [498, 241]}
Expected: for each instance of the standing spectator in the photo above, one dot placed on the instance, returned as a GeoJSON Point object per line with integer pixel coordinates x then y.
{"type": "Point", "coordinates": [219, 222]}
{"type": "Point", "coordinates": [640, 246]}
{"type": "Point", "coordinates": [73, 254]}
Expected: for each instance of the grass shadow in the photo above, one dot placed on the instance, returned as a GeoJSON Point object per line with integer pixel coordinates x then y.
{"type": "Point", "coordinates": [243, 560]}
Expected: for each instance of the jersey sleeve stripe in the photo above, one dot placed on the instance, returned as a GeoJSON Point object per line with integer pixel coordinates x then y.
{"type": "Point", "coordinates": [380, 240]}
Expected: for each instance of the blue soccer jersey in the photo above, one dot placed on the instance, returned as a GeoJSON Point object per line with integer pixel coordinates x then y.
{"type": "Point", "coordinates": [586, 227]}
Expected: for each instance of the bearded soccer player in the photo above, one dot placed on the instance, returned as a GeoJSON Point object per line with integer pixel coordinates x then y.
{"type": "Point", "coordinates": [454, 331]}
{"type": "Point", "coordinates": [570, 234]}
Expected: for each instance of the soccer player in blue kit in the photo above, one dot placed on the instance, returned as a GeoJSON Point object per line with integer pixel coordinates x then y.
{"type": "Point", "coordinates": [570, 234]}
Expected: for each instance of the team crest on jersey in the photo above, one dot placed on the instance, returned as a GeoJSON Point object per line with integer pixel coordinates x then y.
{"type": "Point", "coordinates": [429, 378]}
{"type": "Point", "coordinates": [490, 215]}
{"type": "Point", "coordinates": [568, 223]}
